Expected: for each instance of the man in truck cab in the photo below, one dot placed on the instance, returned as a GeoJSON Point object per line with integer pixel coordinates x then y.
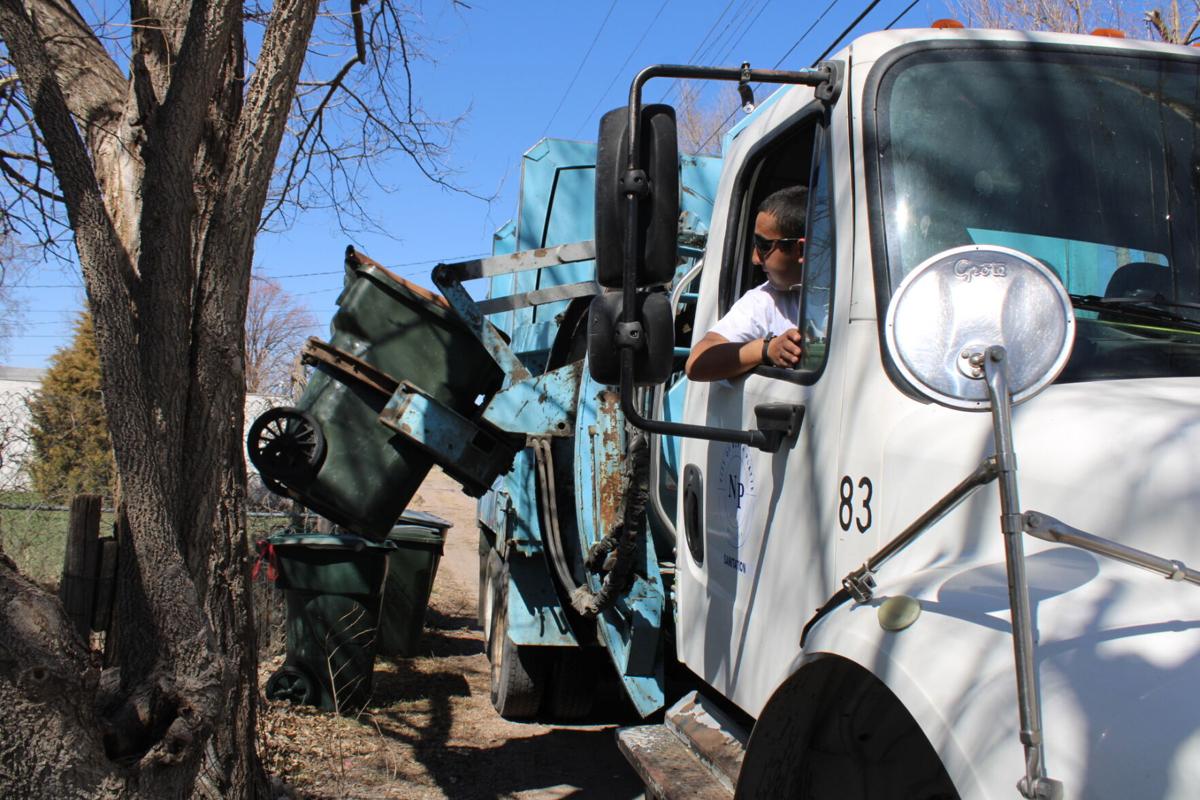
{"type": "Point", "coordinates": [760, 328]}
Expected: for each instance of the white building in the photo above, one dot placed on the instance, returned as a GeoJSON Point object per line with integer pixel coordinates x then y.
{"type": "Point", "coordinates": [18, 383]}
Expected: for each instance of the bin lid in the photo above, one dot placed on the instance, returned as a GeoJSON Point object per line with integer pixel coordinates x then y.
{"type": "Point", "coordinates": [410, 293]}
{"type": "Point", "coordinates": [326, 541]}
{"type": "Point", "coordinates": [424, 518]}
{"type": "Point", "coordinates": [416, 534]}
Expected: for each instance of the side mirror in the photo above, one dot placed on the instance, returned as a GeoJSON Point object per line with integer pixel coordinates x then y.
{"type": "Point", "coordinates": [952, 307]}
{"type": "Point", "coordinates": [657, 225]}
{"type": "Point", "coordinates": [652, 355]}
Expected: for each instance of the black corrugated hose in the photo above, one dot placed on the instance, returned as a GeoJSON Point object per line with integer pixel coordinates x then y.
{"type": "Point", "coordinates": [615, 554]}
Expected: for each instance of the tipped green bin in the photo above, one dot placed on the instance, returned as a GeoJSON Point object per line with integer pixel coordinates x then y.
{"type": "Point", "coordinates": [334, 587]}
{"type": "Point", "coordinates": [419, 541]}
{"type": "Point", "coordinates": [331, 452]}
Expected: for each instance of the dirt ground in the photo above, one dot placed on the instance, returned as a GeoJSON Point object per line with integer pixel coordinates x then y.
{"type": "Point", "coordinates": [430, 730]}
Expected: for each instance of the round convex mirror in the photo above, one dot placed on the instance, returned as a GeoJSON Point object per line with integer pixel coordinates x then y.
{"type": "Point", "coordinates": [962, 301]}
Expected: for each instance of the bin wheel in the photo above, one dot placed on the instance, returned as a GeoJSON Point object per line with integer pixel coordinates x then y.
{"type": "Point", "coordinates": [517, 673]}
{"type": "Point", "coordinates": [286, 444]}
{"type": "Point", "coordinates": [571, 689]}
{"type": "Point", "coordinates": [293, 684]}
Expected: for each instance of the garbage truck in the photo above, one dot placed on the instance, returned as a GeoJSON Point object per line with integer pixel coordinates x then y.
{"type": "Point", "coordinates": [952, 552]}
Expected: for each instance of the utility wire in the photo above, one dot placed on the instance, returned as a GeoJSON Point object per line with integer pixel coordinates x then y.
{"type": "Point", "coordinates": [902, 14]}
{"type": "Point", "coordinates": [443, 260]}
{"type": "Point", "coordinates": [796, 44]}
{"type": "Point", "coordinates": [828, 8]}
{"type": "Point", "coordinates": [692, 57]}
{"type": "Point", "coordinates": [579, 69]}
{"type": "Point", "coordinates": [749, 26]}
{"type": "Point", "coordinates": [47, 286]}
{"type": "Point", "coordinates": [846, 32]}
{"type": "Point", "coordinates": [735, 20]}
{"type": "Point", "coordinates": [621, 69]}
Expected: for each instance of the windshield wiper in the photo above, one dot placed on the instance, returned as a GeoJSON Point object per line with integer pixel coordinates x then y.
{"type": "Point", "coordinates": [1138, 309]}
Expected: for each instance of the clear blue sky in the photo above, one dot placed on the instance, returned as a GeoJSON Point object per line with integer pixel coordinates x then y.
{"type": "Point", "coordinates": [518, 70]}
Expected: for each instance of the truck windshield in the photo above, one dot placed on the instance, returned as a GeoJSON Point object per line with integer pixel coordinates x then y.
{"type": "Point", "coordinates": [1088, 161]}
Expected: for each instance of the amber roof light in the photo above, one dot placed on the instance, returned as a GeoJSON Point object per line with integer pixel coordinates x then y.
{"type": "Point", "coordinates": [1112, 33]}
{"type": "Point", "coordinates": [946, 23]}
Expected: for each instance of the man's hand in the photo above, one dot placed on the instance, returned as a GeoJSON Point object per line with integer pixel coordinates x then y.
{"type": "Point", "coordinates": [785, 349]}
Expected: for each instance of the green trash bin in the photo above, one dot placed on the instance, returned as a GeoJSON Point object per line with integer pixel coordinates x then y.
{"type": "Point", "coordinates": [330, 452]}
{"type": "Point", "coordinates": [412, 567]}
{"type": "Point", "coordinates": [334, 588]}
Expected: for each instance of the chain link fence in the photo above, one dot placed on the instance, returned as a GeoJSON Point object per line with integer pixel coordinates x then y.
{"type": "Point", "coordinates": [34, 524]}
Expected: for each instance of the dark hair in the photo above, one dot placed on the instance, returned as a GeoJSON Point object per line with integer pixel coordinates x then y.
{"type": "Point", "coordinates": [788, 207]}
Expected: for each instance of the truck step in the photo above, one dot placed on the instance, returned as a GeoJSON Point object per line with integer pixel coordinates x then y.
{"type": "Point", "coordinates": [696, 754]}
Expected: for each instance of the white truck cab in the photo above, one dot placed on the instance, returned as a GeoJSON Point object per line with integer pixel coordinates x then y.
{"type": "Point", "coordinates": [1079, 155]}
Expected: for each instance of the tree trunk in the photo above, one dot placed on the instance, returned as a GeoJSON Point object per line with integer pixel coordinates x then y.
{"type": "Point", "coordinates": [165, 177]}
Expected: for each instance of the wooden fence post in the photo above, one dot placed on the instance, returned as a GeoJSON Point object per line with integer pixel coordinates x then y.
{"type": "Point", "coordinates": [106, 580]}
{"type": "Point", "coordinates": [120, 538]}
{"type": "Point", "coordinates": [78, 586]}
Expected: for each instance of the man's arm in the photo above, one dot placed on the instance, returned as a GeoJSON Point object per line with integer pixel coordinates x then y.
{"type": "Point", "coordinates": [715, 358]}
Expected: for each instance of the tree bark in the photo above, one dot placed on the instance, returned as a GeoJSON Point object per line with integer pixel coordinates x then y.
{"type": "Point", "coordinates": [165, 175]}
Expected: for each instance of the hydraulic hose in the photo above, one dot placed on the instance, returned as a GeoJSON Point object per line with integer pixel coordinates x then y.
{"type": "Point", "coordinates": [615, 554]}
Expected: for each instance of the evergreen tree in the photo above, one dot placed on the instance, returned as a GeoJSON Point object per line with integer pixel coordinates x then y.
{"type": "Point", "coordinates": [72, 453]}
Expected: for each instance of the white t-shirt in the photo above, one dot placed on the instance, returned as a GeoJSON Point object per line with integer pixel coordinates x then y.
{"type": "Point", "coordinates": [762, 310]}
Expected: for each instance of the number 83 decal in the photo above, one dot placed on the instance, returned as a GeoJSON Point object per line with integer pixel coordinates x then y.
{"type": "Point", "coordinates": [854, 510]}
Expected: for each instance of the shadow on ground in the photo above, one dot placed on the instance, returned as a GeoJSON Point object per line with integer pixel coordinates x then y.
{"type": "Point", "coordinates": [580, 763]}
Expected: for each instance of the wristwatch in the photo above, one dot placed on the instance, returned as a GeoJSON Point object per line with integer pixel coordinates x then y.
{"type": "Point", "coordinates": [766, 360]}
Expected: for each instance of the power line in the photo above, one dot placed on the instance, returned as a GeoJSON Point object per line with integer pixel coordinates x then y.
{"type": "Point", "coordinates": [621, 68]}
{"type": "Point", "coordinates": [870, 7]}
{"type": "Point", "coordinates": [828, 8]}
{"type": "Point", "coordinates": [579, 69]}
{"type": "Point", "coordinates": [749, 26]}
{"type": "Point", "coordinates": [443, 260]}
{"type": "Point", "coordinates": [902, 14]}
{"type": "Point", "coordinates": [734, 19]}
{"type": "Point", "coordinates": [796, 44]}
{"type": "Point", "coordinates": [692, 57]}
{"type": "Point", "coordinates": [47, 286]}
{"type": "Point", "coordinates": [746, 23]}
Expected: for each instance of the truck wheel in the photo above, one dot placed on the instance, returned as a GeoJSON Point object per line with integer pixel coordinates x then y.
{"type": "Point", "coordinates": [489, 562]}
{"type": "Point", "coordinates": [571, 688]}
{"type": "Point", "coordinates": [840, 732]}
{"type": "Point", "coordinates": [518, 673]}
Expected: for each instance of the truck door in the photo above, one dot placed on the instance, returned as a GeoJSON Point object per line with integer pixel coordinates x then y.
{"type": "Point", "coordinates": [755, 554]}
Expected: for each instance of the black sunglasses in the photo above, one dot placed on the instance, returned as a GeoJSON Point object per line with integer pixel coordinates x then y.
{"type": "Point", "coordinates": [764, 246]}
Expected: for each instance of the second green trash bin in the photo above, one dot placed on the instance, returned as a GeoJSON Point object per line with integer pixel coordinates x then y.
{"type": "Point", "coordinates": [419, 540]}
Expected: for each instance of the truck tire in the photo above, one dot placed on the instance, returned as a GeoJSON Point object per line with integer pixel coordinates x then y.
{"type": "Point", "coordinates": [571, 688]}
{"type": "Point", "coordinates": [840, 734]}
{"type": "Point", "coordinates": [517, 673]}
{"type": "Point", "coordinates": [489, 562]}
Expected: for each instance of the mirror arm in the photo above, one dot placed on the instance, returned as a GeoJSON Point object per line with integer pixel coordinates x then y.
{"type": "Point", "coordinates": [1035, 783]}
{"type": "Point", "coordinates": [768, 441]}
{"type": "Point", "coordinates": [826, 77]}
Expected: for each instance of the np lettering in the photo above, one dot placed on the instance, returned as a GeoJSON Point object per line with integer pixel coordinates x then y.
{"type": "Point", "coordinates": [737, 490]}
